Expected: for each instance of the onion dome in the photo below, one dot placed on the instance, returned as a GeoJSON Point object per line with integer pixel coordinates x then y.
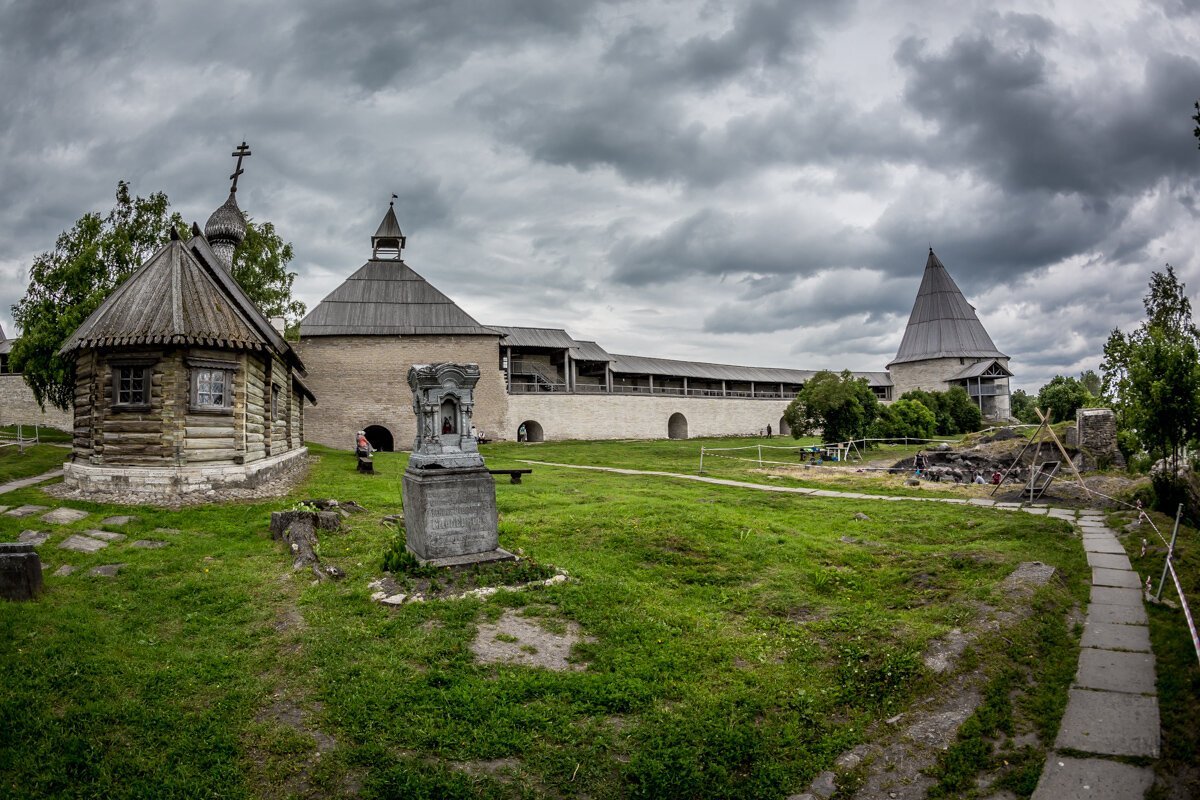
{"type": "Point", "coordinates": [226, 229]}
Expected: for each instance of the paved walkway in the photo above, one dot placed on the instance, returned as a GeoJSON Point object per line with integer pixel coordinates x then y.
{"type": "Point", "coordinates": [1112, 709]}
{"type": "Point", "coordinates": [12, 486]}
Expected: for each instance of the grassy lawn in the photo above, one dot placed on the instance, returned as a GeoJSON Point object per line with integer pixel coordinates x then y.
{"type": "Point", "coordinates": [738, 641]}
{"type": "Point", "coordinates": [35, 460]}
{"type": "Point", "coordinates": [737, 459]}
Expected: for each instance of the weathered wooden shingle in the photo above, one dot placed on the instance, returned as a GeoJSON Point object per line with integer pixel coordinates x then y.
{"type": "Point", "coordinates": [171, 299]}
{"type": "Point", "coordinates": [943, 324]}
{"type": "Point", "coordinates": [388, 298]}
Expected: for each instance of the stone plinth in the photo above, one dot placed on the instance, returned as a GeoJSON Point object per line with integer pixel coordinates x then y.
{"type": "Point", "coordinates": [450, 514]}
{"type": "Point", "coordinates": [20, 571]}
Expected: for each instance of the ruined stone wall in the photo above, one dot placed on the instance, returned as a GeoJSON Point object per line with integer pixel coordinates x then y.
{"type": "Point", "coordinates": [616, 416]}
{"type": "Point", "coordinates": [363, 380]}
{"type": "Point", "coordinates": [1096, 438]}
{"type": "Point", "coordinates": [17, 406]}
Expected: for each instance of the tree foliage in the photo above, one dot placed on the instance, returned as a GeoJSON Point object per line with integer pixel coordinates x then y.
{"type": "Point", "coordinates": [69, 282]}
{"type": "Point", "coordinates": [95, 256]}
{"type": "Point", "coordinates": [1152, 374]}
{"type": "Point", "coordinates": [1021, 406]}
{"type": "Point", "coordinates": [904, 419]}
{"type": "Point", "coordinates": [842, 407]}
{"type": "Point", "coordinates": [1061, 397]}
{"type": "Point", "coordinates": [952, 410]}
{"type": "Point", "coordinates": [1091, 381]}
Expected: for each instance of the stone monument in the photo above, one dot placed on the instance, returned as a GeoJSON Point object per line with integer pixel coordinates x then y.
{"type": "Point", "coordinates": [449, 496]}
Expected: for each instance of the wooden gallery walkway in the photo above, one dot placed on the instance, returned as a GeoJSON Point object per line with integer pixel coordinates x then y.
{"type": "Point", "coordinates": [1112, 710]}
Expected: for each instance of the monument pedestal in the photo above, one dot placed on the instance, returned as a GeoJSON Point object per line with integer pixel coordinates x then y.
{"type": "Point", "coordinates": [450, 516]}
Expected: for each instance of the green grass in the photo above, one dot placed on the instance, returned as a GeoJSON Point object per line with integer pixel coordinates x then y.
{"type": "Point", "coordinates": [1177, 665]}
{"type": "Point", "coordinates": [738, 644]}
{"type": "Point", "coordinates": [683, 457]}
{"type": "Point", "coordinates": [44, 434]}
{"type": "Point", "coordinates": [36, 460]}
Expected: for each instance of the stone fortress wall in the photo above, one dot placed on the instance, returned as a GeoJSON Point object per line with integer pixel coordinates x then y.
{"type": "Point", "coordinates": [605, 416]}
{"type": "Point", "coordinates": [17, 406]}
{"type": "Point", "coordinates": [361, 381]}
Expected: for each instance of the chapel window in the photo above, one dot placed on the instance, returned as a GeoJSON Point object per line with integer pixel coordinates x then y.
{"type": "Point", "coordinates": [131, 386]}
{"type": "Point", "coordinates": [211, 389]}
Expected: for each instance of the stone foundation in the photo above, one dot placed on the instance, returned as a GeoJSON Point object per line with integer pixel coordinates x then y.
{"type": "Point", "coordinates": [169, 484]}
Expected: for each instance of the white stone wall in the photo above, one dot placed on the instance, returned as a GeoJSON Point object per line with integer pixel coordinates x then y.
{"type": "Point", "coordinates": [616, 416]}
{"type": "Point", "coordinates": [17, 406]}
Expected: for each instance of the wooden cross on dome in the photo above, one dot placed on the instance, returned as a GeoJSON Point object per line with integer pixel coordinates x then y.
{"type": "Point", "coordinates": [241, 152]}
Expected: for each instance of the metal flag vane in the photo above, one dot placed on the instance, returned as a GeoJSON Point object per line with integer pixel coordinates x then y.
{"type": "Point", "coordinates": [241, 152]}
{"type": "Point", "coordinates": [393, 202]}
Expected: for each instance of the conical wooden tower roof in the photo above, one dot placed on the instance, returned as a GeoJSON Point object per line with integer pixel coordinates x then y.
{"type": "Point", "coordinates": [942, 323]}
{"type": "Point", "coordinates": [386, 297]}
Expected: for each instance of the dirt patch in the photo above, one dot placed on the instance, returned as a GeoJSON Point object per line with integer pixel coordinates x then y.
{"type": "Point", "coordinates": [901, 751]}
{"type": "Point", "coordinates": [501, 769]}
{"type": "Point", "coordinates": [514, 639]}
{"type": "Point", "coordinates": [283, 712]}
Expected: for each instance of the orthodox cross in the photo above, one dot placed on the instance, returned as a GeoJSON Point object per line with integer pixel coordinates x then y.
{"type": "Point", "coordinates": [241, 152]}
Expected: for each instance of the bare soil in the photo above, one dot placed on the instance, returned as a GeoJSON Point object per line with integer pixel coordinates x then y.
{"type": "Point", "coordinates": [514, 639]}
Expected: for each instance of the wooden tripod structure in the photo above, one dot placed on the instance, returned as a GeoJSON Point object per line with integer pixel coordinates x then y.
{"type": "Point", "coordinates": [1034, 490]}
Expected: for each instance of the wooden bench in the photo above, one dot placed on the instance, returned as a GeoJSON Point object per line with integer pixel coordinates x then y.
{"type": "Point", "coordinates": [513, 474]}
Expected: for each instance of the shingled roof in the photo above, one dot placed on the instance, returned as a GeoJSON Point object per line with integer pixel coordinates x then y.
{"type": "Point", "coordinates": [388, 298]}
{"type": "Point", "coordinates": [943, 324]}
{"type": "Point", "coordinates": [180, 297]}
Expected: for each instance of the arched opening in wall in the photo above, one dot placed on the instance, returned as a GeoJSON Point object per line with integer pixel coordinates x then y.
{"type": "Point", "coordinates": [784, 428]}
{"type": "Point", "coordinates": [532, 432]}
{"type": "Point", "coordinates": [380, 438]}
{"type": "Point", "coordinates": [677, 426]}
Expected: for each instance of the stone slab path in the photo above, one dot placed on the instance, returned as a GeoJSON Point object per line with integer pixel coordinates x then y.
{"type": "Point", "coordinates": [12, 486]}
{"type": "Point", "coordinates": [1112, 708]}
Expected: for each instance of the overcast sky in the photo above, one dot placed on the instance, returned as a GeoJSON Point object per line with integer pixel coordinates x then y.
{"type": "Point", "coordinates": [752, 182]}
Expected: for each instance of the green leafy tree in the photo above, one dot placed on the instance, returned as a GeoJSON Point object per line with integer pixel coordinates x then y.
{"type": "Point", "coordinates": [952, 409]}
{"type": "Point", "coordinates": [1021, 405]}
{"type": "Point", "coordinates": [1062, 396]}
{"type": "Point", "coordinates": [842, 407]}
{"type": "Point", "coordinates": [904, 419]}
{"type": "Point", "coordinates": [95, 256]}
{"type": "Point", "coordinates": [962, 411]}
{"type": "Point", "coordinates": [1091, 381]}
{"type": "Point", "coordinates": [1152, 375]}
{"type": "Point", "coordinates": [933, 402]}
{"type": "Point", "coordinates": [260, 267]}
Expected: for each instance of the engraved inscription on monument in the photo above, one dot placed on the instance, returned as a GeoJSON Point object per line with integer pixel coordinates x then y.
{"type": "Point", "coordinates": [449, 496]}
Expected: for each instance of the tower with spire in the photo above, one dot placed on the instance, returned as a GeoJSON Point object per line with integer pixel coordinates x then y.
{"type": "Point", "coordinates": [945, 345]}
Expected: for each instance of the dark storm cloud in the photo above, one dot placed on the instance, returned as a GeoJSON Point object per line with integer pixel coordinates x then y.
{"type": "Point", "coordinates": [39, 31]}
{"type": "Point", "coordinates": [378, 43]}
{"type": "Point", "coordinates": [716, 243]}
{"type": "Point", "coordinates": [637, 113]}
{"type": "Point", "coordinates": [762, 37]}
{"type": "Point", "coordinates": [1000, 112]}
{"type": "Point", "coordinates": [863, 295]}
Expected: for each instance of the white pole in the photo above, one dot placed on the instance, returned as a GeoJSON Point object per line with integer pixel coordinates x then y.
{"type": "Point", "coordinates": [760, 456]}
{"type": "Point", "coordinates": [1170, 551]}
{"type": "Point", "coordinates": [701, 472]}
